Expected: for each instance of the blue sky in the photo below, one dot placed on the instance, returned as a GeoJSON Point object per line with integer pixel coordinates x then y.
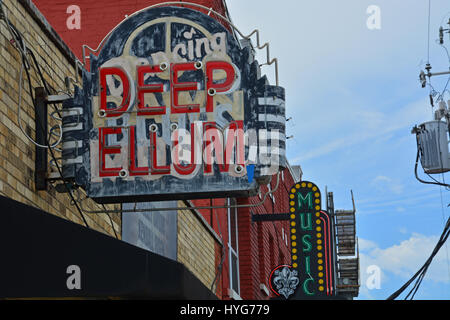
{"type": "Point", "coordinates": [354, 96]}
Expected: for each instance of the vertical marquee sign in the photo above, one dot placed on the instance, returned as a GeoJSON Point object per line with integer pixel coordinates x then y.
{"type": "Point", "coordinates": [312, 268]}
{"type": "Point", "coordinates": [173, 107]}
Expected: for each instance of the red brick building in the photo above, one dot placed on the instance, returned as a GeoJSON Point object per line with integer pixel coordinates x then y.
{"type": "Point", "coordinates": [265, 245]}
{"type": "Point", "coordinates": [77, 22]}
{"type": "Point", "coordinates": [256, 248]}
{"type": "Point", "coordinates": [249, 250]}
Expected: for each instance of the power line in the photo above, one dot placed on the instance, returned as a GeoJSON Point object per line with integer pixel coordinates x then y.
{"type": "Point", "coordinates": [429, 27]}
{"type": "Point", "coordinates": [443, 220]}
{"type": "Point", "coordinates": [420, 275]}
{"type": "Point", "coordinates": [111, 221]}
{"type": "Point", "coordinates": [435, 182]}
{"type": "Point", "coordinates": [51, 150]}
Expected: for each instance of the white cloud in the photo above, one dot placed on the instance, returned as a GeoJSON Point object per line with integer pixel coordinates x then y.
{"type": "Point", "coordinates": [381, 179]}
{"type": "Point", "coordinates": [403, 230]}
{"type": "Point", "coordinates": [363, 126]}
{"type": "Point", "coordinates": [383, 183]}
{"type": "Point", "coordinates": [404, 259]}
{"type": "Point", "coordinates": [408, 200]}
{"type": "Point", "coordinates": [365, 245]}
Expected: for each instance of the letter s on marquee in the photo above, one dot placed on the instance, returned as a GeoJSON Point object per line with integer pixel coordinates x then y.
{"type": "Point", "coordinates": [306, 240]}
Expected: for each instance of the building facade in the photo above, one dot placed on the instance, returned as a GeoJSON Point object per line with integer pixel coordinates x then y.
{"type": "Point", "coordinates": [18, 122]}
{"type": "Point", "coordinates": [265, 245]}
{"type": "Point", "coordinates": [252, 249]}
{"type": "Point", "coordinates": [216, 240]}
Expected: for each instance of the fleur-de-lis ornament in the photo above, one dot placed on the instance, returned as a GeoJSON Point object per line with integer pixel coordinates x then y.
{"type": "Point", "coordinates": [286, 281]}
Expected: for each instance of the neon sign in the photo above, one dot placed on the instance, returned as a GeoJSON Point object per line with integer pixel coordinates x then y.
{"type": "Point", "coordinates": [311, 245]}
{"type": "Point", "coordinates": [174, 108]}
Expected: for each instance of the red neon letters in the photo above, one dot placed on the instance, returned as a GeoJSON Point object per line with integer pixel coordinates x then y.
{"type": "Point", "coordinates": [104, 150]}
{"type": "Point", "coordinates": [104, 72]}
{"type": "Point", "coordinates": [204, 145]}
{"type": "Point", "coordinates": [218, 87]}
{"type": "Point", "coordinates": [150, 88]}
{"type": "Point", "coordinates": [178, 87]}
{"type": "Point", "coordinates": [212, 86]}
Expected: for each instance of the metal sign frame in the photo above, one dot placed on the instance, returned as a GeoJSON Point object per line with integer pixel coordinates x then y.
{"type": "Point", "coordinates": [132, 104]}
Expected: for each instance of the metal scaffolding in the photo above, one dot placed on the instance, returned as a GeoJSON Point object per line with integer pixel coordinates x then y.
{"type": "Point", "coordinates": [347, 253]}
{"type": "Point", "coordinates": [345, 232]}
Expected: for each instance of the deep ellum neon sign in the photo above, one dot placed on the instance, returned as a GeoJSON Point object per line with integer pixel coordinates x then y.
{"type": "Point", "coordinates": [311, 274]}
{"type": "Point", "coordinates": [173, 107]}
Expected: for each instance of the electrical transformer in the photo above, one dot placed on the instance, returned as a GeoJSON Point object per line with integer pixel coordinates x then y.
{"type": "Point", "coordinates": [432, 139]}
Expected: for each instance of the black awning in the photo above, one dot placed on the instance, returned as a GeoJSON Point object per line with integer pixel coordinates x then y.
{"type": "Point", "coordinates": [37, 248]}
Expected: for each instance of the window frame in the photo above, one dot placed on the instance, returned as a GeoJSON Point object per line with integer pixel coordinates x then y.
{"type": "Point", "coordinates": [232, 251]}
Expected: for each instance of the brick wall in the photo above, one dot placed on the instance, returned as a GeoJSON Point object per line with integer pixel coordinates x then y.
{"type": "Point", "coordinates": [17, 153]}
{"type": "Point", "coordinates": [197, 246]}
{"type": "Point", "coordinates": [263, 245]}
{"type": "Point", "coordinates": [256, 259]}
{"type": "Point", "coordinates": [108, 13]}
{"type": "Point", "coordinates": [217, 219]}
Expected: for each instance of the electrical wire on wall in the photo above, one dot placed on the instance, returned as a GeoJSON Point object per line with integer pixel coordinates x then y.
{"type": "Point", "coordinates": [223, 255]}
{"type": "Point", "coordinates": [69, 191]}
{"type": "Point", "coordinates": [29, 61]}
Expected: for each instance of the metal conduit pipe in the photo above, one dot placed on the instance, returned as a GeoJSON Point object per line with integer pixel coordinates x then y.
{"type": "Point", "coordinates": [80, 202]}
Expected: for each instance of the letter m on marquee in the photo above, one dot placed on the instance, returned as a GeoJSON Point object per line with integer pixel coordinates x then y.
{"type": "Point", "coordinates": [305, 202]}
